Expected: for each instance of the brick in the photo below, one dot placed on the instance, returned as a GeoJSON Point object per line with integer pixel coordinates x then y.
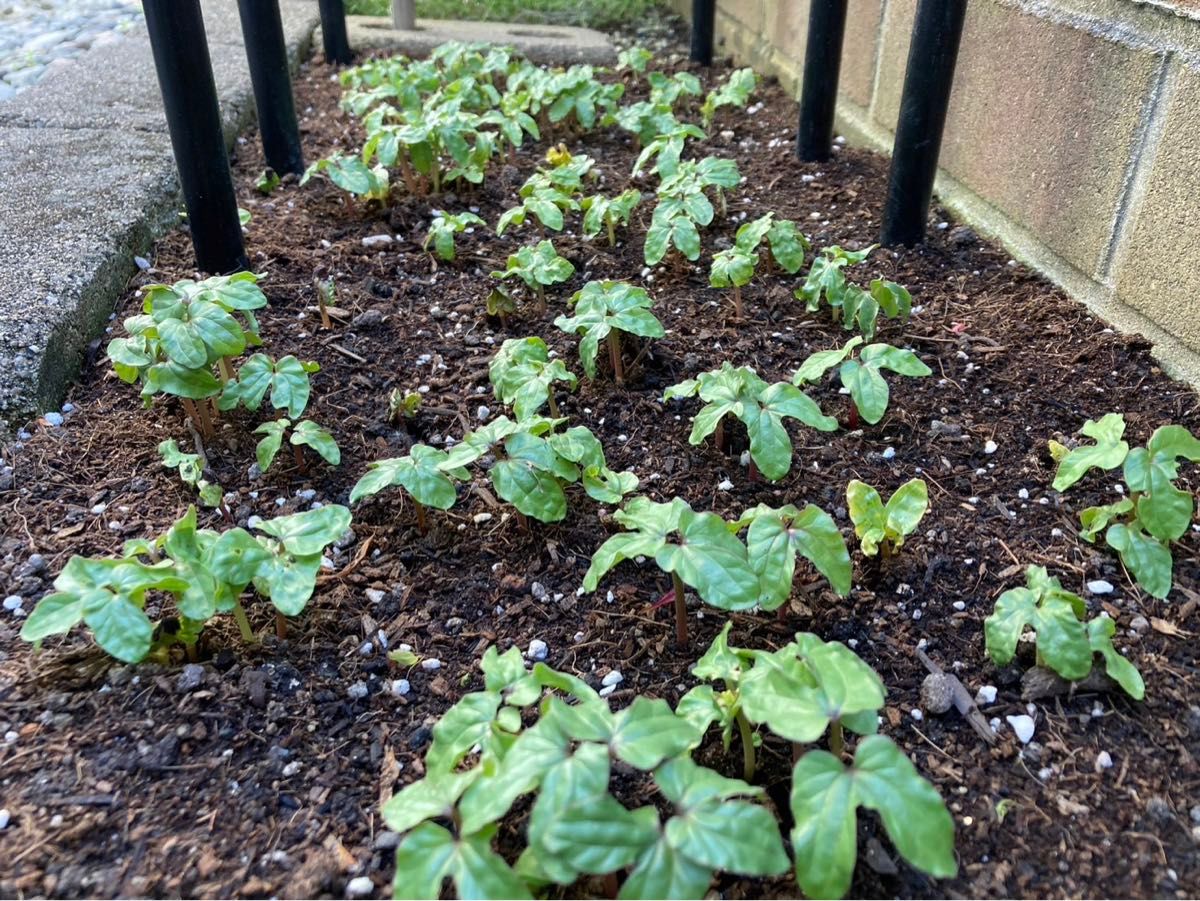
{"type": "Point", "coordinates": [1157, 268]}
{"type": "Point", "coordinates": [1045, 129]}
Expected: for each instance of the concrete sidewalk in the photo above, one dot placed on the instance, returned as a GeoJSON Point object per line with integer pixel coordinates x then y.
{"type": "Point", "coordinates": [87, 181]}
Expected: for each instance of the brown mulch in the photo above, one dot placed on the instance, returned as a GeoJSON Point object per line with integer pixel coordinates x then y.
{"type": "Point", "coordinates": [267, 778]}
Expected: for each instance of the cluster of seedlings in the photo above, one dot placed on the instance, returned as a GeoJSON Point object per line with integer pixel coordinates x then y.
{"type": "Point", "coordinates": [445, 122]}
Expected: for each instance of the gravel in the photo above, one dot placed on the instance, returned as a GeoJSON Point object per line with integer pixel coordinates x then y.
{"type": "Point", "coordinates": [39, 36]}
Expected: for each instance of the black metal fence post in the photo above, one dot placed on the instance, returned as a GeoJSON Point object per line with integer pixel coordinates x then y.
{"type": "Point", "coordinates": [333, 31]}
{"type": "Point", "coordinates": [928, 80]}
{"type": "Point", "coordinates": [818, 94]}
{"type": "Point", "coordinates": [262, 29]}
{"type": "Point", "coordinates": [704, 14]}
{"type": "Point", "coordinates": [189, 94]}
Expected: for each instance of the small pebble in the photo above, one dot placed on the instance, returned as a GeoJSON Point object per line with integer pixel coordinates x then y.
{"type": "Point", "coordinates": [1099, 586]}
{"type": "Point", "coordinates": [937, 693]}
{"type": "Point", "coordinates": [537, 650]}
{"type": "Point", "coordinates": [888, 453]}
{"type": "Point", "coordinates": [1103, 761]}
{"type": "Point", "coordinates": [376, 241]}
{"type": "Point", "coordinates": [725, 485]}
{"type": "Point", "coordinates": [1138, 624]}
{"type": "Point", "coordinates": [374, 595]}
{"type": "Point", "coordinates": [291, 769]}
{"type": "Point", "coordinates": [990, 447]}
{"type": "Point", "coordinates": [538, 590]}
{"type": "Point", "coordinates": [1023, 726]}
{"type": "Point", "coordinates": [578, 637]}
{"type": "Point", "coordinates": [481, 518]}
{"type": "Point", "coordinates": [5, 818]}
{"type": "Point", "coordinates": [613, 677]}
{"type": "Point", "coordinates": [917, 714]}
{"type": "Point", "coordinates": [358, 690]}
{"type": "Point", "coordinates": [400, 687]}
{"type": "Point", "coordinates": [13, 603]}
{"type": "Point", "coordinates": [360, 887]}
{"type": "Point", "coordinates": [960, 605]}
{"type": "Point", "coordinates": [430, 663]}
{"type": "Point", "coordinates": [483, 413]}
{"type": "Point", "coordinates": [986, 695]}
{"type": "Point", "coordinates": [53, 419]}
{"type": "Point", "coordinates": [1023, 494]}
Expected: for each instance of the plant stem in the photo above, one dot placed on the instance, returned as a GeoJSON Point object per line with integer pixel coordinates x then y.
{"type": "Point", "coordinates": [523, 521]}
{"type": "Point", "coordinates": [422, 522]}
{"type": "Point", "coordinates": [852, 422]}
{"type": "Point", "coordinates": [553, 405]}
{"type": "Point", "coordinates": [298, 456]}
{"type": "Point", "coordinates": [189, 407]}
{"type": "Point", "coordinates": [837, 740]}
{"type": "Point", "coordinates": [719, 436]}
{"type": "Point", "coordinates": [436, 174]}
{"type": "Point", "coordinates": [681, 629]}
{"type": "Point", "coordinates": [611, 887]}
{"type": "Point", "coordinates": [724, 208]}
{"type": "Point", "coordinates": [239, 615]}
{"type": "Point", "coordinates": [737, 301]}
{"type": "Point", "coordinates": [206, 426]}
{"type": "Point", "coordinates": [747, 747]}
{"type": "Point", "coordinates": [752, 475]}
{"type": "Point", "coordinates": [190, 647]}
{"type": "Point", "coordinates": [614, 353]}
{"type": "Point", "coordinates": [541, 297]}
{"type": "Point", "coordinates": [225, 370]}
{"type": "Point", "coordinates": [326, 322]}
{"type": "Point", "coordinates": [612, 233]}
{"type": "Point", "coordinates": [281, 626]}
{"type": "Point", "coordinates": [406, 171]}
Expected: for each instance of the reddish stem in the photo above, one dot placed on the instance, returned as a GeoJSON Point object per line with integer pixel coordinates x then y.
{"type": "Point", "coordinates": [614, 354]}
{"type": "Point", "coordinates": [737, 301]}
{"type": "Point", "coordinates": [281, 626]}
{"type": "Point", "coordinates": [681, 628]}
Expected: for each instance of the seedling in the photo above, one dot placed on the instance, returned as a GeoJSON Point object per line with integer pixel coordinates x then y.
{"type": "Point", "coordinates": [403, 405]}
{"type": "Point", "coordinates": [549, 193]}
{"type": "Point", "coordinates": [634, 59]}
{"type": "Point", "coordinates": [191, 470]}
{"type": "Point", "coordinates": [205, 572]}
{"type": "Point", "coordinates": [304, 433]}
{"type": "Point", "coordinates": [884, 527]}
{"type": "Point", "coordinates": [788, 245]}
{"type": "Point", "coordinates": [735, 90]}
{"type": "Point", "coordinates": [533, 465]}
{"type": "Point", "coordinates": [733, 268]}
{"type": "Point", "coordinates": [267, 182]}
{"type": "Point", "coordinates": [326, 300]}
{"type": "Point", "coordinates": [848, 303]}
{"type": "Point", "coordinates": [665, 146]}
{"type": "Point", "coordinates": [608, 212]}
{"type": "Point", "coordinates": [683, 208]}
{"type": "Point", "coordinates": [800, 692]}
{"type": "Point", "coordinates": [777, 536]}
{"type": "Point", "coordinates": [761, 407]}
{"type": "Point", "coordinates": [185, 330]}
{"type": "Point", "coordinates": [1141, 526]}
{"type": "Point", "coordinates": [700, 550]}
{"type": "Point", "coordinates": [418, 473]}
{"type": "Point", "coordinates": [860, 370]}
{"type": "Point", "coordinates": [575, 827]}
{"type": "Point", "coordinates": [523, 375]}
{"type": "Point", "coordinates": [537, 267]}
{"type": "Point", "coordinates": [444, 227]}
{"type": "Point", "coordinates": [668, 89]}
{"type": "Point", "coordinates": [286, 380]}
{"type": "Point", "coordinates": [353, 176]}
{"type": "Point", "coordinates": [1065, 642]}
{"type": "Point", "coordinates": [603, 311]}
{"type": "Point", "coordinates": [501, 305]}
{"type": "Point", "coordinates": [579, 94]}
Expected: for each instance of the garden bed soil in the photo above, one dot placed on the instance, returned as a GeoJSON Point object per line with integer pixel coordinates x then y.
{"type": "Point", "coordinates": [266, 777]}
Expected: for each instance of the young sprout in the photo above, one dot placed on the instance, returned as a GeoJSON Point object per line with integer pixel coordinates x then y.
{"type": "Point", "coordinates": [353, 176]}
{"type": "Point", "coordinates": [735, 90]}
{"type": "Point", "coordinates": [267, 182]}
{"type": "Point", "coordinates": [634, 59]}
{"type": "Point", "coordinates": [761, 407]}
{"type": "Point", "coordinates": [403, 405]}
{"type": "Point", "coordinates": [1065, 643]}
{"type": "Point", "coordinates": [523, 375]}
{"type": "Point", "coordinates": [668, 89]}
{"type": "Point", "coordinates": [287, 380]}
{"type": "Point", "coordinates": [850, 304]}
{"type": "Point", "coordinates": [1153, 513]}
{"type": "Point", "coordinates": [788, 245]}
{"type": "Point", "coordinates": [777, 535]}
{"type": "Point", "coordinates": [326, 299]}
{"type": "Point", "coordinates": [882, 526]}
{"type": "Point", "coordinates": [537, 266]}
{"type": "Point", "coordinates": [603, 311]}
{"type": "Point", "coordinates": [608, 212]}
{"type": "Point", "coordinates": [444, 227]}
{"type": "Point", "coordinates": [191, 470]}
{"type": "Point", "coordinates": [420, 474]}
{"type": "Point", "coordinates": [733, 268]}
{"type": "Point", "coordinates": [666, 146]}
{"type": "Point", "coordinates": [861, 373]}
{"type": "Point", "coordinates": [700, 550]}
{"type": "Point", "coordinates": [304, 433]}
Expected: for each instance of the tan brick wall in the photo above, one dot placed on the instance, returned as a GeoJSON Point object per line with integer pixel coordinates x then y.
{"type": "Point", "coordinates": [1073, 136]}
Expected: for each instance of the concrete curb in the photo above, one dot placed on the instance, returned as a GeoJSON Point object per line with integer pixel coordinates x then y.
{"type": "Point", "coordinates": [88, 181]}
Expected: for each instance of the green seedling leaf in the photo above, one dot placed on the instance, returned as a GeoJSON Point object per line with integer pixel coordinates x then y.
{"type": "Point", "coordinates": [429, 855]}
{"type": "Point", "coordinates": [523, 375]}
{"type": "Point", "coordinates": [875, 523]}
{"type": "Point", "coordinates": [1054, 614]}
{"type": "Point", "coordinates": [309, 532]}
{"type": "Point", "coordinates": [1100, 635]}
{"type": "Point", "coordinates": [418, 473]}
{"type": "Point", "coordinates": [604, 307]}
{"type": "Point", "coordinates": [776, 536]}
{"type": "Point", "coordinates": [1108, 452]}
{"type": "Point", "coordinates": [308, 433]}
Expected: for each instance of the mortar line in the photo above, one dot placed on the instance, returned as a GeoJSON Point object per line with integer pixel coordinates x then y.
{"type": "Point", "coordinates": [1141, 163]}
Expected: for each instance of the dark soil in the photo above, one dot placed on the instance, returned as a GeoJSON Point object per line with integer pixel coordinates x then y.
{"type": "Point", "coordinates": [266, 779]}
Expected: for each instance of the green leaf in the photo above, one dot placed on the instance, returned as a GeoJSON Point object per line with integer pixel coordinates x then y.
{"type": "Point", "coordinates": [663, 872]}
{"type": "Point", "coordinates": [268, 447]}
{"type": "Point", "coordinates": [290, 386]}
{"type": "Point", "coordinates": [55, 614]}
{"type": "Point", "coordinates": [825, 795]}
{"type": "Point", "coordinates": [1096, 519]}
{"type": "Point", "coordinates": [597, 835]}
{"type": "Point", "coordinates": [461, 728]}
{"type": "Point", "coordinates": [647, 732]}
{"type": "Point", "coordinates": [601, 307]}
{"type": "Point", "coordinates": [235, 557]}
{"type": "Point", "coordinates": [430, 854]}
{"type": "Point", "coordinates": [720, 661]}
{"type": "Point", "coordinates": [288, 580]}
{"type": "Point", "coordinates": [777, 536]}
{"type": "Point", "coordinates": [898, 360]}
{"type": "Point", "coordinates": [427, 799]}
{"type": "Point", "coordinates": [788, 245]}
{"type": "Point", "coordinates": [867, 388]}
{"type": "Point", "coordinates": [120, 627]}
{"type": "Point", "coordinates": [735, 836]}
{"type": "Point", "coordinates": [817, 364]}
{"type": "Point", "coordinates": [1147, 558]}
{"type": "Point", "coordinates": [711, 560]}
{"type": "Point", "coordinates": [1053, 613]}
{"type": "Point", "coordinates": [1108, 452]}
{"type": "Point", "coordinates": [179, 381]}
{"type": "Point", "coordinates": [905, 509]}
{"type": "Point", "coordinates": [732, 267]}
{"type": "Point", "coordinates": [893, 299]}
{"type": "Point", "coordinates": [308, 433]}
{"type": "Point", "coordinates": [309, 532]}
{"type": "Point", "coordinates": [1100, 635]}
{"type": "Point", "coordinates": [868, 515]}
{"type": "Point", "coordinates": [418, 473]}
